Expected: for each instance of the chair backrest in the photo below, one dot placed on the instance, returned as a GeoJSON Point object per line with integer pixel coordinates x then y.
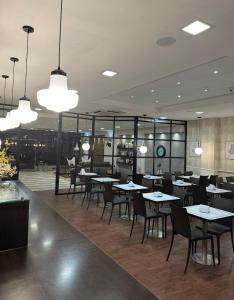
{"type": "Point", "coordinates": [219, 180]}
{"type": "Point", "coordinates": [213, 179]}
{"type": "Point", "coordinates": [194, 180]}
{"type": "Point", "coordinates": [167, 186]}
{"type": "Point", "coordinates": [108, 194]}
{"type": "Point", "coordinates": [180, 221]}
{"type": "Point", "coordinates": [180, 193]}
{"type": "Point", "coordinates": [88, 184]}
{"type": "Point", "coordinates": [139, 204]}
{"type": "Point", "coordinates": [147, 182]}
{"type": "Point", "coordinates": [203, 180]}
{"type": "Point", "coordinates": [188, 173]}
{"type": "Point", "coordinates": [123, 178]}
{"type": "Point", "coordinates": [167, 175]}
{"type": "Point", "coordinates": [72, 177]}
{"type": "Point", "coordinates": [230, 179]}
{"type": "Point", "coordinates": [224, 204]}
{"type": "Point", "coordinates": [177, 174]}
{"type": "Point", "coordinates": [138, 179]}
{"type": "Point", "coordinates": [199, 195]}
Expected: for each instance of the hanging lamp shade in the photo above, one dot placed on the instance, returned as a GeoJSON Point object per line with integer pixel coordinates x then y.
{"type": "Point", "coordinates": [58, 97]}
{"type": "Point", "coordinates": [23, 113]}
{"type": "Point", "coordinates": [86, 146]}
{"type": "Point", "coordinates": [143, 149]}
{"type": "Point", "coordinates": [3, 123]}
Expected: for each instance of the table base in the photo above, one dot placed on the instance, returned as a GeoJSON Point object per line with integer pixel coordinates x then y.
{"type": "Point", "coordinates": [204, 260]}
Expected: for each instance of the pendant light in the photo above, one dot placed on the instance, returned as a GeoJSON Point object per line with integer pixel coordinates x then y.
{"type": "Point", "coordinates": [23, 113]}
{"type": "Point", "coordinates": [57, 97]}
{"type": "Point", "coordinates": [198, 150]}
{"type": "Point", "coordinates": [3, 125]}
{"type": "Point", "coordinates": [143, 149]}
{"type": "Point", "coordinates": [11, 122]}
{"type": "Point", "coordinates": [86, 146]}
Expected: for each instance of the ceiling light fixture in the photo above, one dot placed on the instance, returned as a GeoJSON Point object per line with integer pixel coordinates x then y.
{"type": "Point", "coordinates": [199, 112]}
{"type": "Point", "coordinates": [23, 113]}
{"type": "Point", "coordinates": [163, 118]}
{"type": "Point", "coordinates": [206, 90]}
{"type": "Point", "coordinates": [3, 125]}
{"type": "Point", "coordinates": [178, 83]}
{"type": "Point", "coordinates": [156, 101]}
{"type": "Point", "coordinates": [216, 72]}
{"type": "Point", "coordinates": [143, 148]}
{"type": "Point", "coordinates": [198, 150]}
{"type": "Point", "coordinates": [11, 122]}
{"type": "Point", "coordinates": [179, 96]}
{"type": "Point", "coordinates": [57, 97]}
{"type": "Point", "coordinates": [152, 91]}
{"type": "Point", "coordinates": [109, 73]}
{"type": "Point", "coordinates": [132, 97]}
{"type": "Point", "coordinates": [196, 27]}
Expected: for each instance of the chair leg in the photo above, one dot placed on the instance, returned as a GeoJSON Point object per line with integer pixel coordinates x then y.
{"type": "Point", "coordinates": [165, 227]}
{"type": "Point", "coordinates": [143, 237]}
{"type": "Point", "coordinates": [218, 248]}
{"type": "Point", "coordinates": [128, 207]}
{"type": "Point", "coordinates": [83, 198]}
{"type": "Point", "coordinates": [133, 222]}
{"type": "Point", "coordinates": [172, 241]}
{"type": "Point", "coordinates": [112, 208]}
{"type": "Point", "coordinates": [89, 199]}
{"type": "Point", "coordinates": [119, 209]}
{"type": "Point", "coordinates": [148, 229]}
{"type": "Point", "coordinates": [103, 211]}
{"type": "Point", "coordinates": [231, 232]}
{"type": "Point", "coordinates": [188, 256]}
{"type": "Point", "coordinates": [212, 250]}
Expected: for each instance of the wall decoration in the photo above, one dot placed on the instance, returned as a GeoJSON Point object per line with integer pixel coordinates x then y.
{"type": "Point", "coordinates": [160, 151]}
{"type": "Point", "coordinates": [192, 146]}
{"type": "Point", "coordinates": [229, 150]}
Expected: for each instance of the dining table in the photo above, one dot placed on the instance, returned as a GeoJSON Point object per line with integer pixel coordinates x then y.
{"type": "Point", "coordinates": [182, 184]}
{"type": "Point", "coordinates": [129, 188]}
{"type": "Point", "coordinates": [207, 215]}
{"type": "Point", "coordinates": [157, 198]}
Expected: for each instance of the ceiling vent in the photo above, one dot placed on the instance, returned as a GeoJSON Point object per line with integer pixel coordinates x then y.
{"type": "Point", "coordinates": [108, 113]}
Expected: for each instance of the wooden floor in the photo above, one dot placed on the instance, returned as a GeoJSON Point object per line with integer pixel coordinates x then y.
{"type": "Point", "coordinates": [61, 264]}
{"type": "Point", "coordinates": [147, 262]}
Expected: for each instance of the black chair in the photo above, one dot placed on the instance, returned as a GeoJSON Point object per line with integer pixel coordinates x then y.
{"type": "Point", "coordinates": [139, 209]}
{"type": "Point", "coordinates": [219, 181]}
{"type": "Point", "coordinates": [167, 186]}
{"type": "Point", "coordinates": [194, 180]}
{"type": "Point", "coordinates": [188, 173]}
{"type": "Point", "coordinates": [148, 183]}
{"type": "Point", "coordinates": [166, 211]}
{"type": "Point", "coordinates": [177, 175]}
{"type": "Point", "coordinates": [230, 187]}
{"type": "Point", "coordinates": [91, 191]}
{"type": "Point", "coordinates": [203, 180]}
{"type": "Point", "coordinates": [230, 179]}
{"type": "Point", "coordinates": [138, 179]}
{"type": "Point", "coordinates": [181, 226]}
{"type": "Point", "coordinates": [110, 198]}
{"type": "Point", "coordinates": [199, 195]}
{"type": "Point", "coordinates": [74, 182]}
{"type": "Point", "coordinates": [213, 179]}
{"type": "Point", "coordinates": [222, 226]}
{"type": "Point", "coordinates": [167, 175]}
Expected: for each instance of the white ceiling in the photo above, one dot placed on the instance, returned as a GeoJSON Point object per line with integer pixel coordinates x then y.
{"type": "Point", "coordinates": [121, 35]}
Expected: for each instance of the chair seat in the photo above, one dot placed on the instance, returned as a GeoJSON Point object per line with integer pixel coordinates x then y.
{"type": "Point", "coordinates": [120, 200]}
{"type": "Point", "coordinates": [165, 210]}
{"type": "Point", "coordinates": [197, 234]}
{"type": "Point", "coordinates": [218, 229]}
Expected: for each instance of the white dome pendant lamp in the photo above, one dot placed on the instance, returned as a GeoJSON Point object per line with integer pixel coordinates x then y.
{"type": "Point", "coordinates": [58, 97]}
{"type": "Point", "coordinates": [11, 122]}
{"type": "Point", "coordinates": [23, 113]}
{"type": "Point", "coordinates": [143, 149]}
{"type": "Point", "coordinates": [3, 124]}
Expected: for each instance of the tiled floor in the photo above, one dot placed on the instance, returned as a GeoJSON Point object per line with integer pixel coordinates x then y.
{"type": "Point", "coordinates": [147, 262]}
{"type": "Point", "coordinates": [61, 264]}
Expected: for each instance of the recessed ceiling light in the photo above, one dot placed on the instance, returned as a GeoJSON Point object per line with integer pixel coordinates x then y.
{"type": "Point", "coordinates": [216, 72]}
{"type": "Point", "coordinates": [205, 90]}
{"type": "Point", "coordinates": [178, 83]}
{"type": "Point", "coordinates": [156, 101]}
{"type": "Point", "coordinates": [163, 118]}
{"type": "Point", "coordinates": [199, 112]}
{"type": "Point", "coordinates": [178, 96]}
{"type": "Point", "coordinates": [102, 128]}
{"type": "Point", "coordinates": [132, 96]}
{"type": "Point", "coordinates": [152, 91]}
{"type": "Point", "coordinates": [117, 127]}
{"type": "Point", "coordinates": [109, 73]}
{"type": "Point", "coordinates": [196, 27]}
{"type": "Point", "coordinates": [38, 108]}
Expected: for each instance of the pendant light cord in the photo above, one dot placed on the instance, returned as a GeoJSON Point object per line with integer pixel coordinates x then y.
{"type": "Point", "coordinates": [4, 95]}
{"type": "Point", "coordinates": [13, 83]}
{"type": "Point", "coordinates": [26, 67]}
{"type": "Point", "coordinates": [60, 32]}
